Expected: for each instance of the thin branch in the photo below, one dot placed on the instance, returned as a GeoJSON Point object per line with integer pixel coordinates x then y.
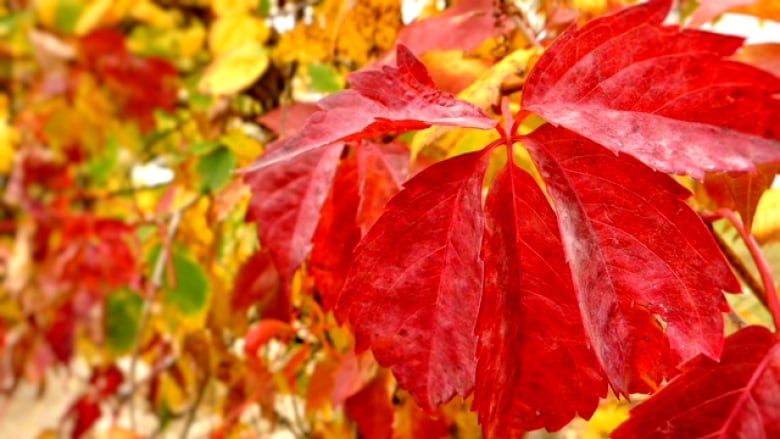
{"type": "Point", "coordinates": [154, 286]}
{"type": "Point", "coordinates": [742, 271]}
{"type": "Point", "coordinates": [193, 410]}
{"type": "Point", "coordinates": [761, 263]}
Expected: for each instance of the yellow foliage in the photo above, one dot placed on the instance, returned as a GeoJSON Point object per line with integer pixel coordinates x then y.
{"type": "Point", "coordinates": [233, 31]}
{"type": "Point", "coordinates": [235, 70]}
{"type": "Point", "coordinates": [9, 138]}
{"type": "Point", "coordinates": [766, 222]}
{"type": "Point", "coordinates": [230, 7]}
{"type": "Point", "coordinates": [353, 36]}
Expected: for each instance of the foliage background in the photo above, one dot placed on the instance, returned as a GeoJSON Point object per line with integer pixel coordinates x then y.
{"type": "Point", "coordinates": [129, 271]}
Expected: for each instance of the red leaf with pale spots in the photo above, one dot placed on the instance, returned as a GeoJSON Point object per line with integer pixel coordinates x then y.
{"type": "Point", "coordinates": [536, 368]}
{"type": "Point", "coordinates": [419, 264]}
{"type": "Point", "coordinates": [738, 397]}
{"type": "Point", "coordinates": [648, 274]}
{"type": "Point", "coordinates": [669, 97]}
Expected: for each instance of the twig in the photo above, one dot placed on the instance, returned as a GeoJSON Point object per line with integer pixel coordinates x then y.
{"type": "Point", "coordinates": [193, 410]}
{"type": "Point", "coordinates": [770, 289]}
{"type": "Point", "coordinates": [151, 295]}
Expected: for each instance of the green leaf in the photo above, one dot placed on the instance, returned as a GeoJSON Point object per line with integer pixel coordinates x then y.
{"type": "Point", "coordinates": [325, 79]}
{"type": "Point", "coordinates": [190, 293]}
{"type": "Point", "coordinates": [123, 315]}
{"type": "Point", "coordinates": [68, 13]}
{"type": "Point", "coordinates": [216, 169]}
{"type": "Point", "coordinates": [103, 163]}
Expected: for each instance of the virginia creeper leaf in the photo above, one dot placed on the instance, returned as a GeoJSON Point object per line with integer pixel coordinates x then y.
{"type": "Point", "coordinates": [648, 274]}
{"type": "Point", "coordinates": [389, 100]}
{"type": "Point", "coordinates": [382, 169]}
{"type": "Point", "coordinates": [286, 201]}
{"type": "Point", "coordinates": [412, 293]}
{"type": "Point", "coordinates": [337, 234]}
{"type": "Point", "coordinates": [535, 366]}
{"type": "Point", "coordinates": [664, 95]}
{"type": "Point", "coordinates": [738, 397]}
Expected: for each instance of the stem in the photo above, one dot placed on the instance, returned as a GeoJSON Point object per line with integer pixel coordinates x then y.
{"type": "Point", "coordinates": [761, 263]}
{"type": "Point", "coordinates": [192, 411]}
{"type": "Point", "coordinates": [742, 270]}
{"type": "Point", "coordinates": [154, 286]}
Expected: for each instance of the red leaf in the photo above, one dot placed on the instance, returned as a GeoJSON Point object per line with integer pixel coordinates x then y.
{"type": "Point", "coordinates": [337, 234]}
{"type": "Point", "coordinates": [372, 409]}
{"type": "Point", "coordinates": [288, 119]}
{"type": "Point", "coordinates": [535, 366]}
{"type": "Point", "coordinates": [143, 84]}
{"type": "Point", "coordinates": [286, 201]}
{"type": "Point", "coordinates": [258, 282]}
{"type": "Point", "coordinates": [85, 412]}
{"type": "Point", "coordinates": [390, 100]}
{"type": "Point", "coordinates": [413, 289]}
{"type": "Point", "coordinates": [664, 95]}
{"type": "Point", "coordinates": [736, 398]}
{"type": "Point", "coordinates": [741, 191]}
{"type": "Point", "coordinates": [464, 26]}
{"type": "Point", "coordinates": [382, 169]}
{"type": "Point", "coordinates": [648, 274]}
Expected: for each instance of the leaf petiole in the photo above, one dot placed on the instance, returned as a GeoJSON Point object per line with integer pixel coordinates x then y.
{"type": "Point", "coordinates": [761, 263]}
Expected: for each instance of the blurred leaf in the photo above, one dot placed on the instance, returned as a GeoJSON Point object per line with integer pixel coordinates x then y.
{"type": "Point", "coordinates": [123, 315]}
{"type": "Point", "coordinates": [325, 79]}
{"type": "Point", "coordinates": [189, 294]}
{"type": "Point", "coordinates": [235, 70]}
{"type": "Point", "coordinates": [216, 169]}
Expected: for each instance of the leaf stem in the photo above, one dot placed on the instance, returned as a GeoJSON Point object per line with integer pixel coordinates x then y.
{"type": "Point", "coordinates": [761, 263]}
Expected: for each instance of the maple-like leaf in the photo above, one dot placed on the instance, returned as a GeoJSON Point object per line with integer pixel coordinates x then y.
{"type": "Point", "coordinates": [535, 367]}
{"type": "Point", "coordinates": [738, 397]}
{"type": "Point", "coordinates": [388, 100]}
{"type": "Point", "coordinates": [648, 274]}
{"type": "Point", "coordinates": [664, 95]}
{"type": "Point", "coordinates": [286, 201]}
{"type": "Point", "coordinates": [413, 291]}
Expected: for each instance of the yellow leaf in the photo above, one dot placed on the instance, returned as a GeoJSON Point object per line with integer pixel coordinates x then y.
{"type": "Point", "coordinates": [230, 7]}
{"type": "Point", "coordinates": [235, 70]}
{"type": "Point", "coordinates": [8, 138]}
{"type": "Point", "coordinates": [233, 31]}
{"type": "Point", "coordinates": [92, 16]}
{"type": "Point", "coordinates": [149, 12]}
{"type": "Point", "coordinates": [766, 222]}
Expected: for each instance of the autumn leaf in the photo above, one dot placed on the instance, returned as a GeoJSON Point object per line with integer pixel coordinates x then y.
{"type": "Point", "coordinates": [464, 26]}
{"type": "Point", "coordinates": [286, 200]}
{"type": "Point", "coordinates": [741, 192]}
{"type": "Point", "coordinates": [736, 397]}
{"type": "Point", "coordinates": [420, 265]}
{"type": "Point", "coordinates": [389, 100]}
{"type": "Point", "coordinates": [529, 319]}
{"type": "Point", "coordinates": [648, 274]}
{"type": "Point", "coordinates": [664, 95]}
